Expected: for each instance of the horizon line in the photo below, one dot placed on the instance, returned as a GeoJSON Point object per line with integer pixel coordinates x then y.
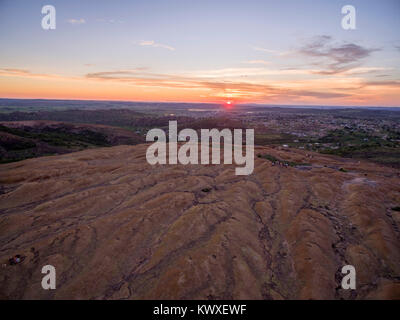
{"type": "Point", "coordinates": [255, 104]}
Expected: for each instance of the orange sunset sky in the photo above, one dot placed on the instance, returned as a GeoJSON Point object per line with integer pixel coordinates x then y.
{"type": "Point", "coordinates": [294, 52]}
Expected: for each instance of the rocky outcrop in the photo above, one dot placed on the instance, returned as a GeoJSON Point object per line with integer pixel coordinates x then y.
{"type": "Point", "coordinates": [117, 228]}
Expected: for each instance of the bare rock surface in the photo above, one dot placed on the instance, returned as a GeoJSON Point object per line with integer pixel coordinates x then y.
{"type": "Point", "coordinates": [116, 227]}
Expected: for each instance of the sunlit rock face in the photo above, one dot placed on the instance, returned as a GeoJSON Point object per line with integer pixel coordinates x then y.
{"type": "Point", "coordinates": [115, 227]}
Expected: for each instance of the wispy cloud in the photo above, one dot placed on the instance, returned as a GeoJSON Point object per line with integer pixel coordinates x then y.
{"type": "Point", "coordinates": [217, 87]}
{"type": "Point", "coordinates": [257, 62]}
{"type": "Point", "coordinates": [335, 58]}
{"type": "Point", "coordinates": [17, 72]}
{"type": "Point", "coordinates": [152, 43]}
{"type": "Point", "coordinates": [365, 70]}
{"type": "Point", "coordinates": [271, 51]}
{"type": "Point", "coordinates": [264, 50]}
{"type": "Point", "coordinates": [23, 73]}
{"type": "Point", "coordinates": [391, 83]}
{"type": "Point", "coordinates": [76, 21]}
{"type": "Point", "coordinates": [235, 73]}
{"type": "Point", "coordinates": [112, 21]}
{"type": "Point", "coordinates": [344, 88]}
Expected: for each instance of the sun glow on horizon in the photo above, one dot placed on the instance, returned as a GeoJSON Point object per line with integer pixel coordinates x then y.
{"type": "Point", "coordinates": [228, 104]}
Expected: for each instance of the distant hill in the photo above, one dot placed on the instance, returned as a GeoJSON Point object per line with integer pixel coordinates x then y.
{"type": "Point", "coordinates": [8, 105]}
{"type": "Point", "coordinates": [20, 140]}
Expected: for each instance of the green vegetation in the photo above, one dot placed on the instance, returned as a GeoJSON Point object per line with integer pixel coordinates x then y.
{"type": "Point", "coordinates": [117, 118]}
{"type": "Point", "coordinates": [14, 145]}
{"type": "Point", "coordinates": [58, 137]}
{"type": "Point", "coordinates": [23, 155]}
{"type": "Point", "coordinates": [21, 144]}
{"type": "Point", "coordinates": [263, 139]}
{"type": "Point", "coordinates": [383, 148]}
{"type": "Point", "coordinates": [284, 162]}
{"type": "Point", "coordinates": [68, 139]}
{"type": "Point", "coordinates": [357, 139]}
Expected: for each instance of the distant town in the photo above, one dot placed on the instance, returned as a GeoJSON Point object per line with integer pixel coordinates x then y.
{"type": "Point", "coordinates": [354, 132]}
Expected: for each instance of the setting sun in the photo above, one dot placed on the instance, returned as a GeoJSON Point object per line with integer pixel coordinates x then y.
{"type": "Point", "coordinates": [228, 104]}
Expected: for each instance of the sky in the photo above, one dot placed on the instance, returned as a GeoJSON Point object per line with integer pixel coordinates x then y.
{"type": "Point", "coordinates": [272, 52]}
